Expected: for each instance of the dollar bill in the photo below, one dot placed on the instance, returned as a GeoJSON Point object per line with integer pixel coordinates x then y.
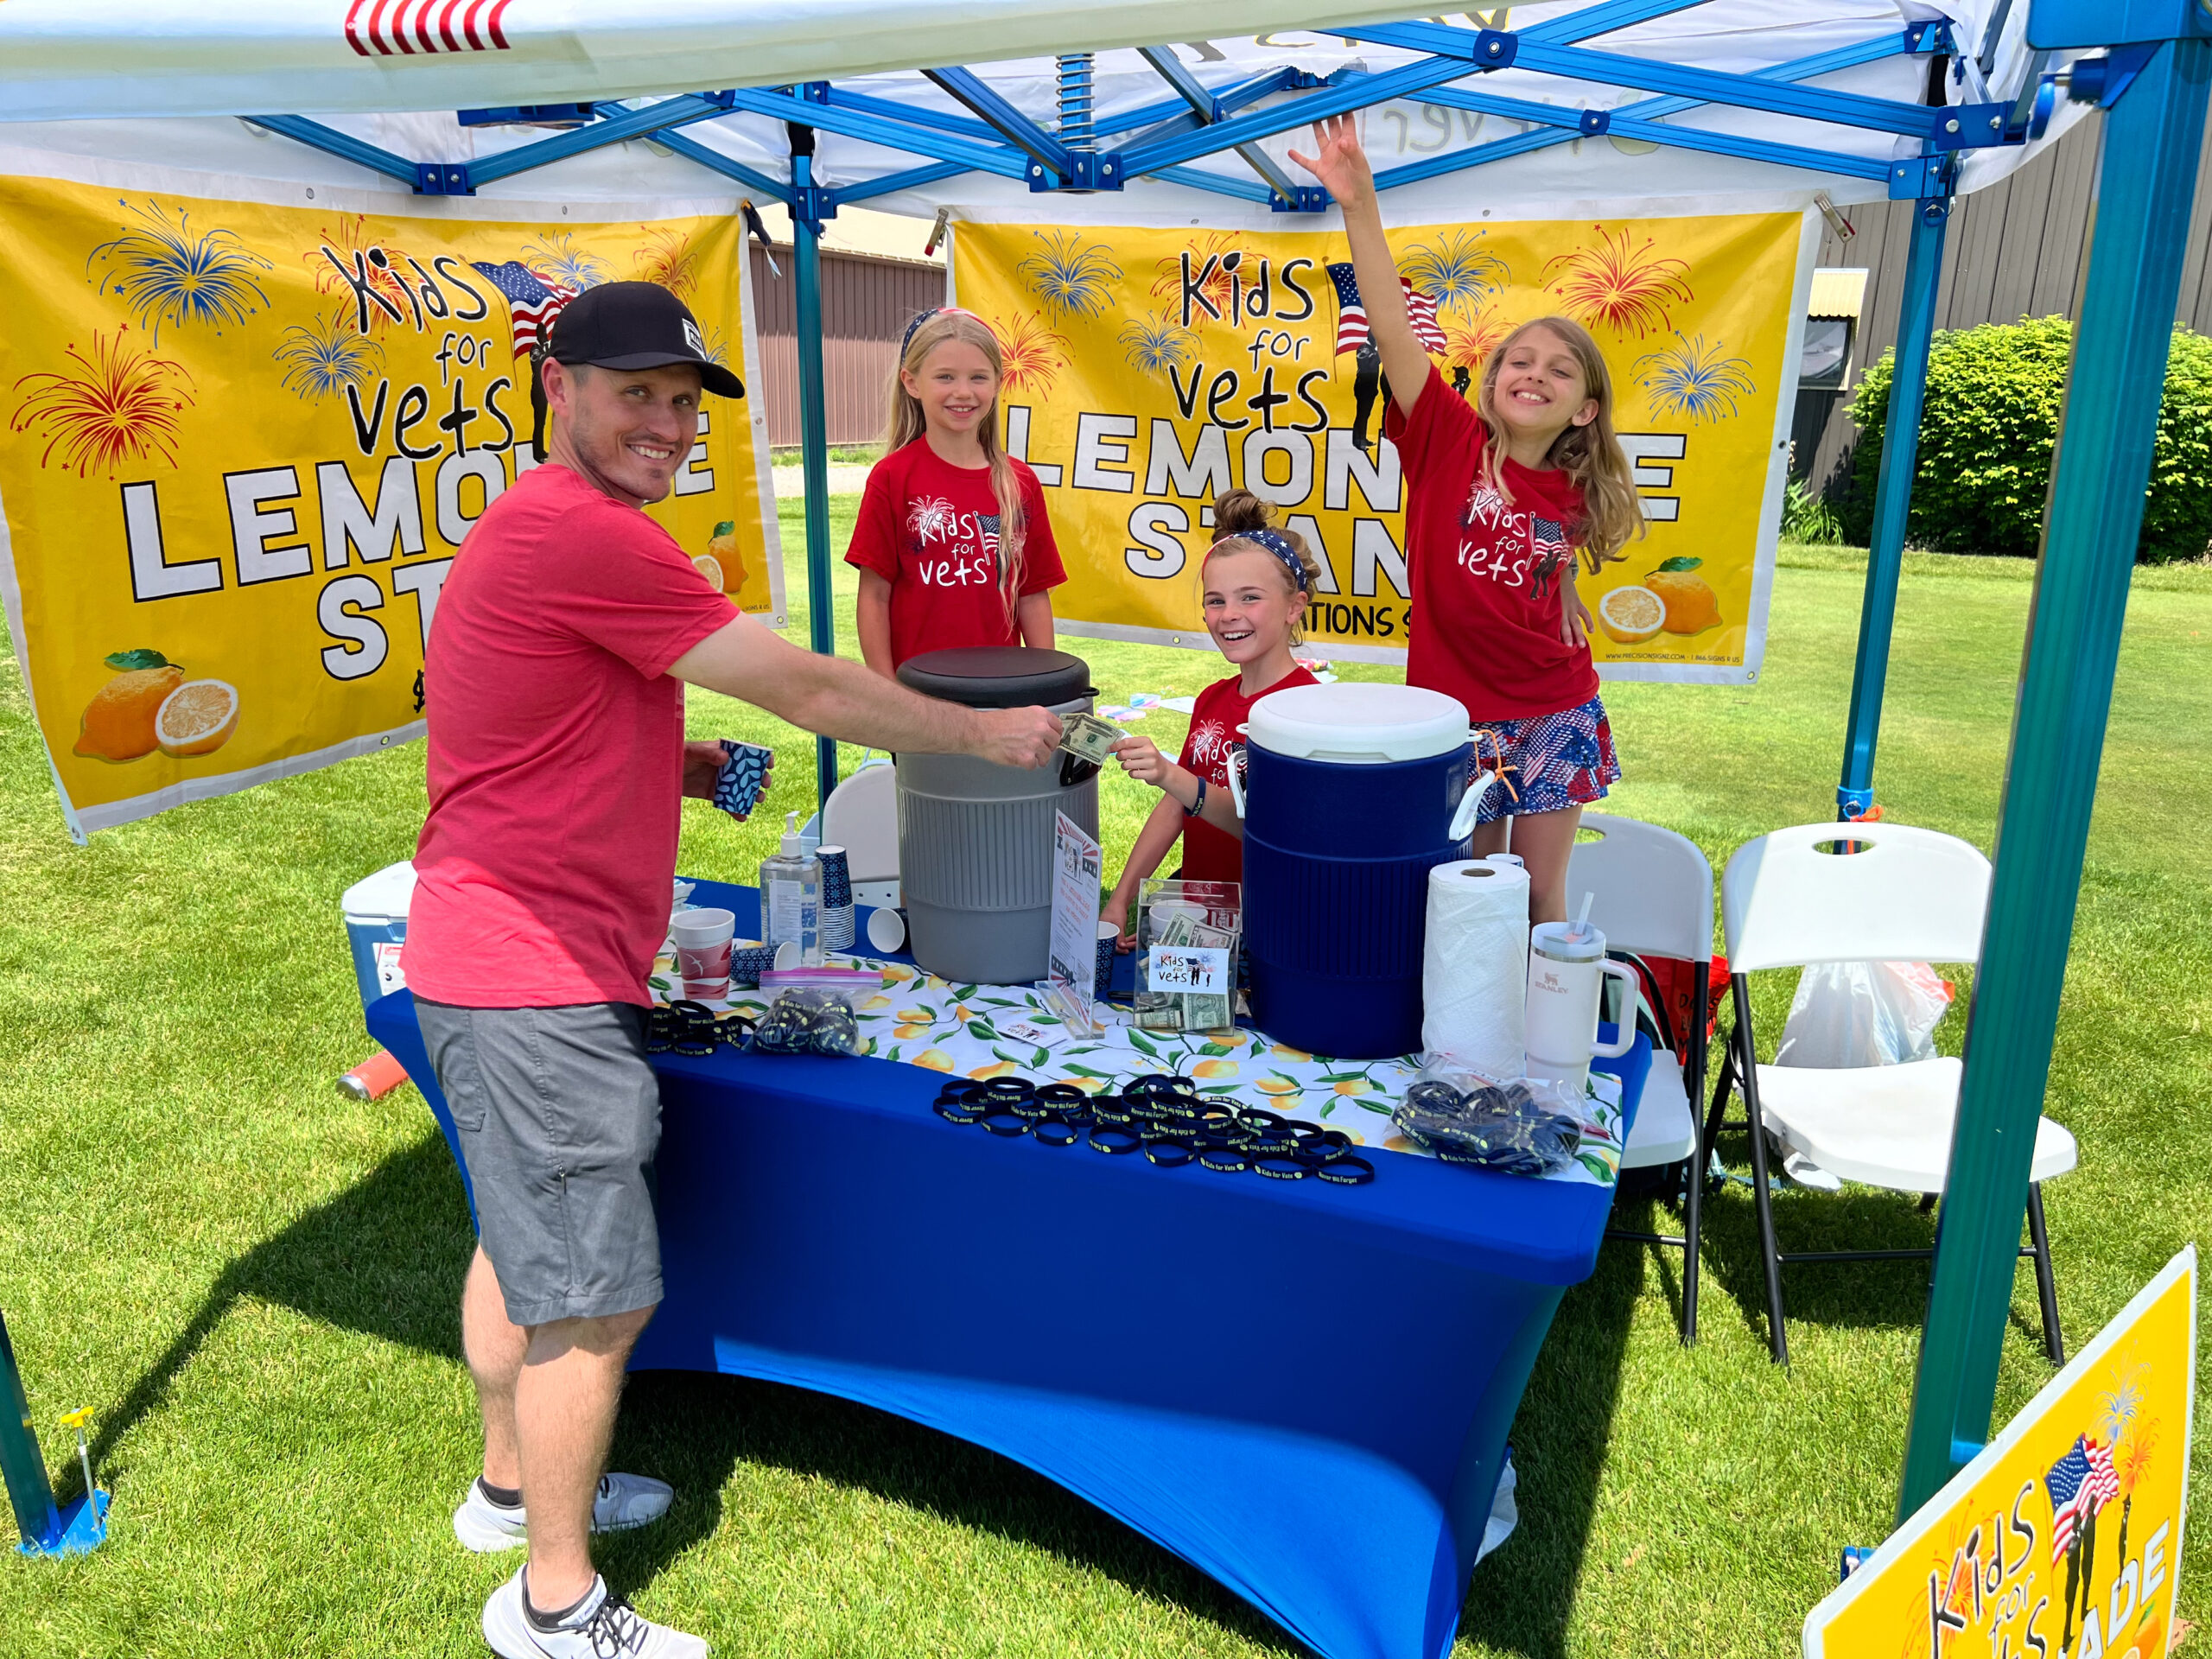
{"type": "Point", "coordinates": [1088, 738]}
{"type": "Point", "coordinates": [1199, 1010]}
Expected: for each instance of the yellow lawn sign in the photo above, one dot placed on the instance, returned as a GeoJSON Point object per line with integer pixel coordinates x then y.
{"type": "Point", "coordinates": [2062, 1539]}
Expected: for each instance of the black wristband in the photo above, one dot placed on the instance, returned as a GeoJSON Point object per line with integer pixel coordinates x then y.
{"type": "Point", "coordinates": [1280, 1167]}
{"type": "Point", "coordinates": [1116, 1142]}
{"type": "Point", "coordinates": [1347, 1170]}
{"type": "Point", "coordinates": [1002, 1122]}
{"type": "Point", "coordinates": [1055, 1131]}
{"type": "Point", "coordinates": [1227, 1160]}
{"type": "Point", "coordinates": [1170, 1153]}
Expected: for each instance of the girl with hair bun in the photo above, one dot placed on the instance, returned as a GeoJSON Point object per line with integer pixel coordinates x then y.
{"type": "Point", "coordinates": [1257, 579]}
{"type": "Point", "coordinates": [1500, 500]}
{"type": "Point", "coordinates": [952, 543]}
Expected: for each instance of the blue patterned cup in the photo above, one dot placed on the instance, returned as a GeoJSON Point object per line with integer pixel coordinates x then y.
{"type": "Point", "coordinates": [748, 962]}
{"type": "Point", "coordinates": [836, 878]}
{"type": "Point", "coordinates": [1110, 939]}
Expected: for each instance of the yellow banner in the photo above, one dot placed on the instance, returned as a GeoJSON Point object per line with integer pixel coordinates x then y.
{"type": "Point", "coordinates": [1148, 370]}
{"type": "Point", "coordinates": [241, 441]}
{"type": "Point", "coordinates": [2062, 1539]}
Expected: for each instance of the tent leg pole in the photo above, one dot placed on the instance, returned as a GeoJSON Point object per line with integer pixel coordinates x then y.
{"type": "Point", "coordinates": [814, 438]}
{"type": "Point", "coordinates": [1892, 503]}
{"type": "Point", "coordinates": [23, 1466]}
{"type": "Point", "coordinates": [2116, 384]}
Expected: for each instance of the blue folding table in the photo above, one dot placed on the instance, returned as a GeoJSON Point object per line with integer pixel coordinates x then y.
{"type": "Point", "coordinates": [1302, 1389]}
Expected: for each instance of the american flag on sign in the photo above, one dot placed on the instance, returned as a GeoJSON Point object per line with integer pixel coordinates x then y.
{"type": "Point", "coordinates": [1351, 316]}
{"type": "Point", "coordinates": [532, 302]}
{"type": "Point", "coordinates": [2080, 1484]}
{"type": "Point", "coordinates": [387, 28]}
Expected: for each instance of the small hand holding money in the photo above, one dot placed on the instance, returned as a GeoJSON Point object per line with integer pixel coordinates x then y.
{"type": "Point", "coordinates": [1142, 759]}
{"type": "Point", "coordinates": [1088, 738]}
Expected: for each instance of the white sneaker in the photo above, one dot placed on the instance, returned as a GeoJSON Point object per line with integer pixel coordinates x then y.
{"type": "Point", "coordinates": [623, 1502]}
{"type": "Point", "coordinates": [604, 1627]}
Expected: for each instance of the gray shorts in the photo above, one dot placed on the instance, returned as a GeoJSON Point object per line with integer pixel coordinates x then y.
{"type": "Point", "coordinates": [559, 1117]}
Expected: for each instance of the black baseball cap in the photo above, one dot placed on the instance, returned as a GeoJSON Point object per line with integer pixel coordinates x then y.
{"type": "Point", "coordinates": [636, 325]}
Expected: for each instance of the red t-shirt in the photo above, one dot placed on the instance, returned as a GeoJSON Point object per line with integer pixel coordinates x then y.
{"type": "Point", "coordinates": [1217, 721]}
{"type": "Point", "coordinates": [556, 751]}
{"type": "Point", "coordinates": [1486, 575]}
{"type": "Point", "coordinates": [931, 531]}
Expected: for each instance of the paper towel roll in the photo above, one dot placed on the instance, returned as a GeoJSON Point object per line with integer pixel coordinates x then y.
{"type": "Point", "coordinates": [1474, 979]}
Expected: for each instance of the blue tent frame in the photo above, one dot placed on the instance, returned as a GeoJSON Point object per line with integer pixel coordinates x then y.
{"type": "Point", "coordinates": [2153, 81]}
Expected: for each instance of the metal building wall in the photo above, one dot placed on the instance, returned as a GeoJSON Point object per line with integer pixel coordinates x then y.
{"type": "Point", "coordinates": [867, 302]}
{"type": "Point", "coordinates": [2013, 250]}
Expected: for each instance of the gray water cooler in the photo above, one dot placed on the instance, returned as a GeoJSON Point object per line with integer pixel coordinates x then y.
{"type": "Point", "coordinates": [975, 839]}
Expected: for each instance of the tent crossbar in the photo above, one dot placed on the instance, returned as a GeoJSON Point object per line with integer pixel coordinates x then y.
{"type": "Point", "coordinates": [913, 178]}
{"type": "Point", "coordinates": [1595, 123]}
{"type": "Point", "coordinates": [630, 122]}
{"type": "Point", "coordinates": [1004, 161]}
{"type": "Point", "coordinates": [1498, 149]}
{"type": "Point", "coordinates": [1193, 178]}
{"type": "Point", "coordinates": [331, 142]}
{"type": "Point", "coordinates": [1206, 112]}
{"type": "Point", "coordinates": [1951, 128]}
{"type": "Point", "coordinates": [728, 167]}
{"type": "Point", "coordinates": [1175, 116]}
{"type": "Point", "coordinates": [912, 115]}
{"type": "Point", "coordinates": [1016, 128]}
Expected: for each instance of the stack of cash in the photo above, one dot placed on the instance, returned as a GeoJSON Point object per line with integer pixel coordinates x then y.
{"type": "Point", "coordinates": [1188, 1010]}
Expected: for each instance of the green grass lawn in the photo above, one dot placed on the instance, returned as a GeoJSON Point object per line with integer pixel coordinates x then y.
{"type": "Point", "coordinates": [253, 1280]}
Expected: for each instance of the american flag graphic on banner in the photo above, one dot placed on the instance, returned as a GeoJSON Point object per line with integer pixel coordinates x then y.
{"type": "Point", "coordinates": [532, 302]}
{"type": "Point", "coordinates": [389, 28]}
{"type": "Point", "coordinates": [2080, 1484]}
{"type": "Point", "coordinates": [1351, 316]}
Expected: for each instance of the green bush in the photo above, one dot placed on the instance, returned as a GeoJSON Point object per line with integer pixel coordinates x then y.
{"type": "Point", "coordinates": [1988, 430]}
{"type": "Point", "coordinates": [1807, 518]}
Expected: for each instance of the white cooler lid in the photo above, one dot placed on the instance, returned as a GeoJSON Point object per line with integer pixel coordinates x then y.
{"type": "Point", "coordinates": [382, 897]}
{"type": "Point", "coordinates": [1358, 722]}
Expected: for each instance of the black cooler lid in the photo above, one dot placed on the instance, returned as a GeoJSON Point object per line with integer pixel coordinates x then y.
{"type": "Point", "coordinates": [998, 677]}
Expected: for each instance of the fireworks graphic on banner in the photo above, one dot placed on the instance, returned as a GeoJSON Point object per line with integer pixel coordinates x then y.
{"type": "Point", "coordinates": [122, 408]}
{"type": "Point", "coordinates": [668, 258]}
{"type": "Point", "coordinates": [556, 259]}
{"type": "Point", "coordinates": [1032, 353]}
{"type": "Point", "coordinates": [1618, 286]}
{"type": "Point", "coordinates": [1069, 275]}
{"type": "Point", "coordinates": [1218, 246]}
{"type": "Point", "coordinates": [1153, 345]}
{"type": "Point", "coordinates": [1692, 380]}
{"type": "Point", "coordinates": [1465, 345]}
{"type": "Point", "coordinates": [1455, 271]}
{"type": "Point", "coordinates": [322, 358]}
{"type": "Point", "coordinates": [167, 275]}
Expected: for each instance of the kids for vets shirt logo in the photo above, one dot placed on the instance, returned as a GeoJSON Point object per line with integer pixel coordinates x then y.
{"type": "Point", "coordinates": [947, 547]}
{"type": "Point", "coordinates": [1521, 550]}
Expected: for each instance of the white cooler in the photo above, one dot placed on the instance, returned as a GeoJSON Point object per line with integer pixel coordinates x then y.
{"type": "Point", "coordinates": [376, 924]}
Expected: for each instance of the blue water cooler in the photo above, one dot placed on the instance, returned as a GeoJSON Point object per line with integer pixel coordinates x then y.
{"type": "Point", "coordinates": [1349, 795]}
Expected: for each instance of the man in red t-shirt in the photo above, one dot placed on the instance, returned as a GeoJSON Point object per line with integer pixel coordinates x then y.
{"type": "Point", "coordinates": [555, 703]}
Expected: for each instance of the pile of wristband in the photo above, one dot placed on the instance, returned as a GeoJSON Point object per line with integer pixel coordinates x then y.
{"type": "Point", "coordinates": [1165, 1119]}
{"type": "Point", "coordinates": [807, 1020]}
{"type": "Point", "coordinates": [1516, 1127]}
{"type": "Point", "coordinates": [692, 1028]}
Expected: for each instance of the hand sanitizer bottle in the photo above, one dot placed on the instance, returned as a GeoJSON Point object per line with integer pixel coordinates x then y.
{"type": "Point", "coordinates": [791, 896]}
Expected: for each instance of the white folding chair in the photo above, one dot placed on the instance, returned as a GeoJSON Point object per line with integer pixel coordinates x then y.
{"type": "Point", "coordinates": [861, 815]}
{"type": "Point", "coordinates": [1904, 894]}
{"type": "Point", "coordinates": [1652, 895]}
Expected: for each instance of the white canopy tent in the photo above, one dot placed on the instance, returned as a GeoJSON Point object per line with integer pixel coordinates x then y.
{"type": "Point", "coordinates": [1563, 108]}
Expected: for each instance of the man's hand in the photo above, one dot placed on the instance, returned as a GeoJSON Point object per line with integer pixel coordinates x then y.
{"type": "Point", "coordinates": [703, 765]}
{"type": "Point", "coordinates": [1016, 737]}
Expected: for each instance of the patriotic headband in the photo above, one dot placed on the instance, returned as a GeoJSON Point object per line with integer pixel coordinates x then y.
{"type": "Point", "coordinates": [1275, 543]}
{"type": "Point", "coordinates": [921, 317]}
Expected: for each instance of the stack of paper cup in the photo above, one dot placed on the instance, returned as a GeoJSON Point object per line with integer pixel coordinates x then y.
{"type": "Point", "coordinates": [1475, 965]}
{"type": "Point", "coordinates": [836, 898]}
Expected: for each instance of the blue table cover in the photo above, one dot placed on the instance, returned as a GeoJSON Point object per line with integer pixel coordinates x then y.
{"type": "Point", "coordinates": [1302, 1389]}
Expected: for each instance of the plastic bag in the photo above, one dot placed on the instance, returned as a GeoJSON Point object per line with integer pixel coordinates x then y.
{"type": "Point", "coordinates": [1854, 1013]}
{"type": "Point", "coordinates": [808, 1021]}
{"type": "Point", "coordinates": [1529, 1126]}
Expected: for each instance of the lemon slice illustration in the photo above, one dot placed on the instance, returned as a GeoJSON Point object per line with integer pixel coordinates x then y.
{"type": "Point", "coordinates": [711, 569]}
{"type": "Point", "coordinates": [1629, 616]}
{"type": "Point", "coordinates": [197, 718]}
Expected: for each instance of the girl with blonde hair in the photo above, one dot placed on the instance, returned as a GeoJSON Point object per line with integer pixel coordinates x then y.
{"type": "Point", "coordinates": [953, 543]}
{"type": "Point", "coordinates": [1500, 499]}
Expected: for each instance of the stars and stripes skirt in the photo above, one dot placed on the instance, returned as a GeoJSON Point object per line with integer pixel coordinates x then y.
{"type": "Point", "coordinates": [1554, 761]}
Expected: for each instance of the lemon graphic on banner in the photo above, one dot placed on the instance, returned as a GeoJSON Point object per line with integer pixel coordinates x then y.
{"type": "Point", "coordinates": [1631, 615]}
{"type": "Point", "coordinates": [1692, 607]}
{"type": "Point", "coordinates": [118, 724]}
